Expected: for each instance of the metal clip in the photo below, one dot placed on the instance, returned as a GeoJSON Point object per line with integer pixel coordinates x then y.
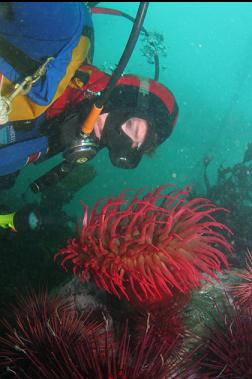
{"type": "Point", "coordinates": [22, 88]}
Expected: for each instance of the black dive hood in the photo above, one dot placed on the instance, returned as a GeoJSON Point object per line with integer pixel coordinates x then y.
{"type": "Point", "coordinates": [119, 144]}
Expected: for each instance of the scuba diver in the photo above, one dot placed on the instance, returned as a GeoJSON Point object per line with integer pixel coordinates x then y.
{"type": "Point", "coordinates": [51, 94]}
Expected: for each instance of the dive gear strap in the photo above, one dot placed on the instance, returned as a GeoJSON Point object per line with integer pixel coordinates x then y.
{"type": "Point", "coordinates": [21, 62]}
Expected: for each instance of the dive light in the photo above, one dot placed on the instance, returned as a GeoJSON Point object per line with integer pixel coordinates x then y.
{"type": "Point", "coordinates": [51, 177]}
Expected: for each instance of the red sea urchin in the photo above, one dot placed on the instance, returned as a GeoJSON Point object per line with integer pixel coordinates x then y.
{"type": "Point", "coordinates": [42, 338]}
{"type": "Point", "coordinates": [242, 290]}
{"type": "Point", "coordinates": [227, 349]}
{"type": "Point", "coordinates": [149, 248]}
{"type": "Point", "coordinates": [48, 338]}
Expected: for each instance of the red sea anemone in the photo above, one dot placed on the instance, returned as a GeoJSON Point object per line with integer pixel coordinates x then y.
{"type": "Point", "coordinates": [149, 248]}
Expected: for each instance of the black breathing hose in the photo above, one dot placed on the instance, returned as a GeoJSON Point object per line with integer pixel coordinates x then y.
{"type": "Point", "coordinates": [126, 54]}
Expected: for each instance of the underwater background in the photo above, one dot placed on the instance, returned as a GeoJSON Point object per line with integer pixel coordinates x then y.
{"type": "Point", "coordinates": [206, 61]}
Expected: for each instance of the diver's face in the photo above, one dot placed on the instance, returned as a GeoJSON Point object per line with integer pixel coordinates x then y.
{"type": "Point", "coordinates": [135, 128]}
